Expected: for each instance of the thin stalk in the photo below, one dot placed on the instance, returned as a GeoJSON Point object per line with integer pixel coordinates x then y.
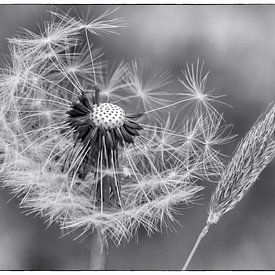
{"type": "Point", "coordinates": [98, 252]}
{"type": "Point", "coordinates": [200, 237]}
{"type": "Point", "coordinates": [91, 56]}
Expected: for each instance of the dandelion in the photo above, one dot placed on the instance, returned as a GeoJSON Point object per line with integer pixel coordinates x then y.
{"type": "Point", "coordinates": [253, 154]}
{"type": "Point", "coordinates": [91, 148]}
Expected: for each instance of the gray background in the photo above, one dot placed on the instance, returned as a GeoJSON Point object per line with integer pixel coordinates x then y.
{"type": "Point", "coordinates": [237, 44]}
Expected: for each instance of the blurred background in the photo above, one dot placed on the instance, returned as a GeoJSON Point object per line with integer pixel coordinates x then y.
{"type": "Point", "coordinates": [237, 43]}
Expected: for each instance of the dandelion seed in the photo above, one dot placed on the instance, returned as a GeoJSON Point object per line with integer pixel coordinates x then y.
{"type": "Point", "coordinates": [196, 93]}
{"type": "Point", "coordinates": [98, 25]}
{"type": "Point", "coordinates": [147, 91]}
{"type": "Point", "coordinates": [112, 82]}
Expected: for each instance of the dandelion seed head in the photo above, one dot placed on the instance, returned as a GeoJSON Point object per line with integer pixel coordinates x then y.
{"type": "Point", "coordinates": [88, 145]}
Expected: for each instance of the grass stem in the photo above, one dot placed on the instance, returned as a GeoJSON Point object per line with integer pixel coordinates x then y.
{"type": "Point", "coordinates": [200, 237]}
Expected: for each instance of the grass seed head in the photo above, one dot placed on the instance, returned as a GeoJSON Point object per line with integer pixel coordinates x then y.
{"type": "Point", "coordinates": [253, 154]}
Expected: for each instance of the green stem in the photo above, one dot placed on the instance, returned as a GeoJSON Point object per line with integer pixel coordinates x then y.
{"type": "Point", "coordinates": [200, 237]}
{"type": "Point", "coordinates": [98, 252]}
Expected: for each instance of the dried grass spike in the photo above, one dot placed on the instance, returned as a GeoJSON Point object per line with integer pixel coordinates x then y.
{"type": "Point", "coordinates": [252, 155]}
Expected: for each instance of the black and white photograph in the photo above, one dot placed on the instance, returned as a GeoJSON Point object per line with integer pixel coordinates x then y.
{"type": "Point", "coordinates": [137, 136]}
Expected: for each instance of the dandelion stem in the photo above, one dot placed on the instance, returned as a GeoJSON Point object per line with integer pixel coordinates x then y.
{"type": "Point", "coordinates": [200, 237]}
{"type": "Point", "coordinates": [98, 252]}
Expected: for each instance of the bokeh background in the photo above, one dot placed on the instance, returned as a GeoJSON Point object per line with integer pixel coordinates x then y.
{"type": "Point", "coordinates": [237, 43]}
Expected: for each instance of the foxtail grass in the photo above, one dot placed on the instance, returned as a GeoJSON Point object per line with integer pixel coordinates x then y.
{"type": "Point", "coordinates": [255, 151]}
